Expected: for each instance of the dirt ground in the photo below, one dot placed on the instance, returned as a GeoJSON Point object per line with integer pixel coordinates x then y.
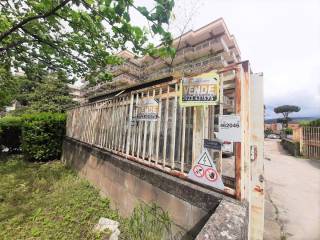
{"type": "Point", "coordinates": [292, 206]}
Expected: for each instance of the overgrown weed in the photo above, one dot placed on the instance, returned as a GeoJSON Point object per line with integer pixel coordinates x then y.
{"type": "Point", "coordinates": [49, 201]}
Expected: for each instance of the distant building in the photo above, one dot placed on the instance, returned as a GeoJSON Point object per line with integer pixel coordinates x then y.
{"type": "Point", "coordinates": [77, 93]}
{"type": "Point", "coordinates": [277, 127]}
{"type": "Point", "coordinates": [210, 47]}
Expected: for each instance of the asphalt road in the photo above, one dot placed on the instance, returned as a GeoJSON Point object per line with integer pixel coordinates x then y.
{"type": "Point", "coordinates": [292, 206]}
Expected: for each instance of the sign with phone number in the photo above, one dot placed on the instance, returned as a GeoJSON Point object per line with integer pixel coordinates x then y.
{"type": "Point", "coordinates": [201, 90]}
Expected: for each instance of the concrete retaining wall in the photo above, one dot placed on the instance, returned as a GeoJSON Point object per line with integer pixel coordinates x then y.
{"type": "Point", "coordinates": [127, 183]}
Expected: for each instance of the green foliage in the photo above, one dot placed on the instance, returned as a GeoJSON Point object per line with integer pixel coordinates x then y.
{"type": "Point", "coordinates": [42, 136]}
{"type": "Point", "coordinates": [49, 201]}
{"type": "Point", "coordinates": [78, 36]}
{"type": "Point", "coordinates": [285, 110]}
{"type": "Point", "coordinates": [313, 123]}
{"type": "Point", "coordinates": [7, 86]}
{"type": "Point", "coordinates": [51, 95]}
{"type": "Point", "coordinates": [44, 93]}
{"type": "Point", "coordinates": [267, 131]}
{"type": "Point", "coordinates": [147, 222]}
{"type": "Point", "coordinates": [304, 122]}
{"type": "Point", "coordinates": [10, 133]}
{"type": "Point", "coordinates": [288, 131]}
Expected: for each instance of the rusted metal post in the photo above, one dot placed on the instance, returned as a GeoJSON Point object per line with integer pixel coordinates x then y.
{"type": "Point", "coordinates": [256, 201]}
{"type": "Point", "coordinates": [158, 127]}
{"type": "Point", "coordinates": [219, 160]}
{"type": "Point", "coordinates": [173, 128]}
{"type": "Point", "coordinates": [129, 125]}
{"type": "Point", "coordinates": [246, 130]}
{"type": "Point", "coordinates": [301, 140]}
{"type": "Point", "coordinates": [183, 140]}
{"type": "Point", "coordinates": [238, 145]}
{"type": "Point", "coordinates": [197, 143]}
{"type": "Point", "coordinates": [165, 137]}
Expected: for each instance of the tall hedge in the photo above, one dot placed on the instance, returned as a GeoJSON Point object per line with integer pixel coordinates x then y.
{"type": "Point", "coordinates": [42, 136]}
{"type": "Point", "coordinates": [39, 135]}
{"type": "Point", "coordinates": [315, 123]}
{"type": "Point", "coordinates": [10, 133]}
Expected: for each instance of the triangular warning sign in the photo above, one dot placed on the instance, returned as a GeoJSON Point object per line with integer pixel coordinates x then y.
{"type": "Point", "coordinates": [205, 160]}
{"type": "Point", "coordinates": [205, 172]}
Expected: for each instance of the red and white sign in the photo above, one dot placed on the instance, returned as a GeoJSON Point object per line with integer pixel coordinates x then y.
{"type": "Point", "coordinates": [211, 174]}
{"type": "Point", "coordinates": [204, 171]}
{"type": "Point", "coordinates": [198, 170]}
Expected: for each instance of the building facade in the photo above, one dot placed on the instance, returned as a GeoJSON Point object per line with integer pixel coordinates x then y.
{"type": "Point", "coordinates": [210, 47]}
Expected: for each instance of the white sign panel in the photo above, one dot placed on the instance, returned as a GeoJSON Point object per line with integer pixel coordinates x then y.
{"type": "Point", "coordinates": [146, 110]}
{"type": "Point", "coordinates": [230, 128]}
{"type": "Point", "coordinates": [205, 172]}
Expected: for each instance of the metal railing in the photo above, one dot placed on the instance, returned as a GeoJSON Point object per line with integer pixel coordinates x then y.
{"type": "Point", "coordinates": [171, 144]}
{"type": "Point", "coordinates": [310, 141]}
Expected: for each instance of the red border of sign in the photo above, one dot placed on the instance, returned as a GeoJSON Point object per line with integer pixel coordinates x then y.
{"type": "Point", "coordinates": [216, 175]}
{"type": "Point", "coordinates": [194, 170]}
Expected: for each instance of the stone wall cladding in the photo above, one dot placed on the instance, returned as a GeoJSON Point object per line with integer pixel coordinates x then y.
{"type": "Point", "coordinates": [230, 221]}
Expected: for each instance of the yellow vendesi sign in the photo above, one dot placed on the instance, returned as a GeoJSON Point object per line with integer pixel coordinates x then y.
{"type": "Point", "coordinates": [200, 90]}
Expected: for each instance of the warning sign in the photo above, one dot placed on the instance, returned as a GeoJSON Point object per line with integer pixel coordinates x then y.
{"type": "Point", "coordinates": [200, 90]}
{"type": "Point", "coordinates": [204, 160]}
{"type": "Point", "coordinates": [211, 174]}
{"type": "Point", "coordinates": [198, 170]}
{"type": "Point", "coordinates": [204, 171]}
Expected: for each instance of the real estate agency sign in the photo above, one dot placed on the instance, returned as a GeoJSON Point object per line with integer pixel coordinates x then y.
{"type": "Point", "coordinates": [201, 90]}
{"type": "Point", "coordinates": [146, 110]}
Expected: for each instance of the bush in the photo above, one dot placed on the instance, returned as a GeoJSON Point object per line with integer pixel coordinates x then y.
{"type": "Point", "coordinates": [267, 131]}
{"type": "Point", "coordinates": [42, 136]}
{"type": "Point", "coordinates": [288, 131]}
{"type": "Point", "coordinates": [315, 123]}
{"type": "Point", "coordinates": [10, 133]}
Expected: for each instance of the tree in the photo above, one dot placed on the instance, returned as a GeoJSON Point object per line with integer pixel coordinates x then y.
{"type": "Point", "coordinates": [50, 95]}
{"type": "Point", "coordinates": [182, 19]}
{"type": "Point", "coordinates": [285, 110]}
{"type": "Point", "coordinates": [7, 86]}
{"type": "Point", "coordinates": [18, 86]}
{"type": "Point", "coordinates": [78, 36]}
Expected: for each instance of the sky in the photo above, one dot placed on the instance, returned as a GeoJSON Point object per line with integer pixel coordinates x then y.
{"type": "Point", "coordinates": [280, 38]}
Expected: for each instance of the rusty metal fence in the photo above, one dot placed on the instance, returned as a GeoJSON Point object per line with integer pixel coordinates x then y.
{"type": "Point", "coordinates": [175, 140]}
{"type": "Point", "coordinates": [310, 142]}
{"type": "Point", "coordinates": [108, 124]}
{"type": "Point", "coordinates": [170, 144]}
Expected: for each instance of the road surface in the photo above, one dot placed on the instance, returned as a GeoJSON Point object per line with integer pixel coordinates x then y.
{"type": "Point", "coordinates": [292, 206]}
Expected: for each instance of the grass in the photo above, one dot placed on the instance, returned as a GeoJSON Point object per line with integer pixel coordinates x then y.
{"type": "Point", "coordinates": [49, 201]}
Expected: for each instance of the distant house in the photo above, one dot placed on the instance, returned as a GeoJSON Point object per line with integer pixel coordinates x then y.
{"type": "Point", "coordinates": [277, 127]}
{"type": "Point", "coordinates": [273, 126]}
